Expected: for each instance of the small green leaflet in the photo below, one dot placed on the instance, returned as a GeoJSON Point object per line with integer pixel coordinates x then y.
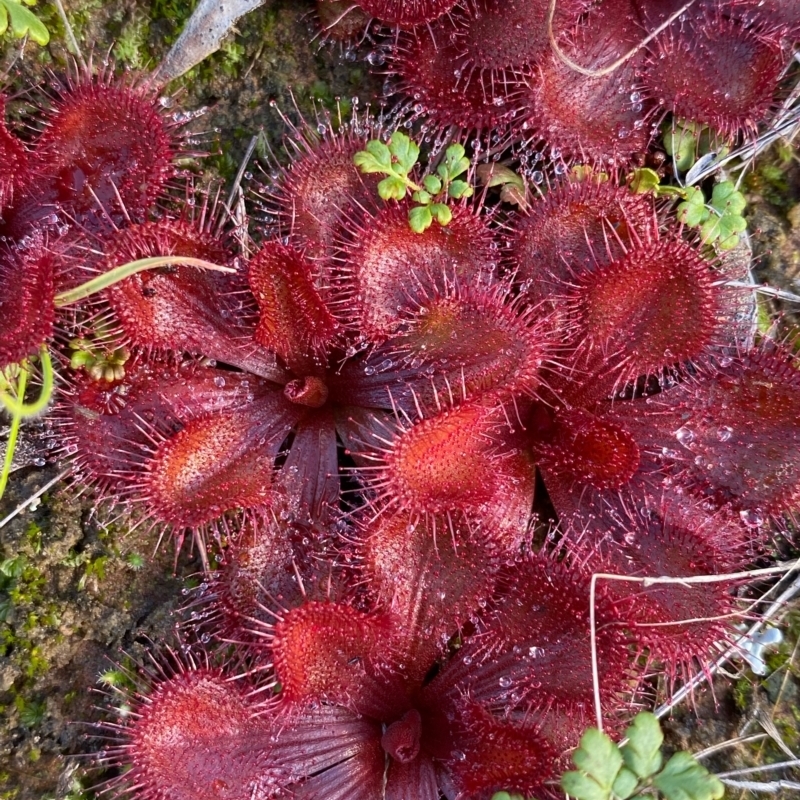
{"type": "Point", "coordinates": [642, 753]}
{"type": "Point", "coordinates": [397, 160]}
{"type": "Point", "coordinates": [608, 772]}
{"type": "Point", "coordinates": [598, 760]}
{"type": "Point", "coordinates": [23, 22]}
{"type": "Point", "coordinates": [684, 779]}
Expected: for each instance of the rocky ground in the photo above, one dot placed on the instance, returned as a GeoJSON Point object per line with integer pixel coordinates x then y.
{"type": "Point", "coordinates": [78, 592]}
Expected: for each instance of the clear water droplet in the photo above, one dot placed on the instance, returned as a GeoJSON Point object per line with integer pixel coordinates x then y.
{"type": "Point", "coordinates": [724, 433]}
{"type": "Point", "coordinates": [752, 517]}
{"type": "Point", "coordinates": [684, 435]}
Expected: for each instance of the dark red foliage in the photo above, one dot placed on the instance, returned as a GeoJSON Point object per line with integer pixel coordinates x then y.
{"type": "Point", "coordinates": [447, 90]}
{"type": "Point", "coordinates": [321, 187]}
{"type": "Point", "coordinates": [386, 401]}
{"type": "Point", "coordinates": [294, 320]}
{"type": "Point", "coordinates": [677, 623]}
{"type": "Point", "coordinates": [574, 228]}
{"type": "Point", "coordinates": [718, 71]}
{"type": "Point", "coordinates": [184, 308]}
{"type": "Point", "coordinates": [218, 462]}
{"type": "Point", "coordinates": [407, 12]}
{"type": "Point", "coordinates": [389, 271]}
{"type": "Point", "coordinates": [739, 441]}
{"type": "Point", "coordinates": [654, 307]}
{"type": "Point", "coordinates": [13, 161]}
{"type": "Point", "coordinates": [192, 739]}
{"type": "Point", "coordinates": [575, 445]}
{"type": "Point", "coordinates": [104, 155]}
{"type": "Point", "coordinates": [27, 289]}
{"type": "Point", "coordinates": [599, 117]}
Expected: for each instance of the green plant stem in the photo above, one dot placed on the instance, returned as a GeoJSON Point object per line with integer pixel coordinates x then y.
{"type": "Point", "coordinates": [16, 419]}
{"type": "Point", "coordinates": [17, 405]}
{"type": "Point", "coordinates": [126, 270]}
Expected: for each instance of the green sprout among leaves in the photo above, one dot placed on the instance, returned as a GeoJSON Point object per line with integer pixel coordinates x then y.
{"type": "Point", "coordinates": [719, 218]}
{"type": "Point", "coordinates": [14, 377]}
{"type": "Point", "coordinates": [635, 770]}
{"type": "Point", "coordinates": [23, 22]}
{"type": "Point", "coordinates": [397, 160]}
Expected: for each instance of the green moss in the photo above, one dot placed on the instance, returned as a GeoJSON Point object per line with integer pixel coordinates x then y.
{"type": "Point", "coordinates": [131, 46]}
{"type": "Point", "coordinates": [172, 16]}
{"type": "Point", "coordinates": [770, 178]}
{"type": "Point", "coordinates": [743, 694]}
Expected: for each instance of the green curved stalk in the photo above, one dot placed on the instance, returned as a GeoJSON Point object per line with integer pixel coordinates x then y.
{"type": "Point", "coordinates": [17, 405]}
{"type": "Point", "coordinates": [126, 270]}
{"type": "Point", "coordinates": [16, 419]}
{"type": "Point", "coordinates": [19, 409]}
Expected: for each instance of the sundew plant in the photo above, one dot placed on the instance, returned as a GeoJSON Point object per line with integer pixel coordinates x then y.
{"type": "Point", "coordinates": [465, 355]}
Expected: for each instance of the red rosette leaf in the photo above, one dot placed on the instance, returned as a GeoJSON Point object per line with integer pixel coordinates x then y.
{"type": "Point", "coordinates": [739, 437]}
{"type": "Point", "coordinates": [218, 462]}
{"type": "Point", "coordinates": [575, 228]}
{"type": "Point", "coordinates": [448, 462]}
{"type": "Point", "coordinates": [389, 269]}
{"type": "Point", "coordinates": [329, 753]}
{"type": "Point", "coordinates": [655, 307]}
{"type": "Point", "coordinates": [474, 339]}
{"type": "Point", "coordinates": [13, 162]}
{"type": "Point", "coordinates": [194, 737]}
{"type": "Point", "coordinates": [719, 71]}
{"type": "Point", "coordinates": [183, 308]}
{"type": "Point", "coordinates": [106, 150]}
{"type": "Point", "coordinates": [294, 320]}
{"type": "Point", "coordinates": [430, 576]}
{"type": "Point", "coordinates": [407, 12]}
{"type": "Point", "coordinates": [677, 623]}
{"type": "Point", "coordinates": [448, 91]}
{"type": "Point", "coordinates": [320, 188]}
{"type": "Point", "coordinates": [327, 651]}
{"type": "Point", "coordinates": [601, 117]}
{"type": "Point", "coordinates": [533, 651]}
{"type": "Point", "coordinates": [583, 448]}
{"type": "Point", "coordinates": [493, 756]}
{"type": "Point", "coordinates": [27, 291]}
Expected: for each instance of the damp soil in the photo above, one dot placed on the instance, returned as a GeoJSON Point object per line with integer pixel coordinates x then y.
{"type": "Point", "coordinates": [80, 591]}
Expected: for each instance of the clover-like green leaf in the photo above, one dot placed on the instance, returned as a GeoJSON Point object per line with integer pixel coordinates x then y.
{"type": "Point", "coordinates": [459, 189]}
{"type": "Point", "coordinates": [432, 184]}
{"type": "Point", "coordinates": [693, 211]}
{"type": "Point", "coordinates": [599, 759]}
{"type": "Point", "coordinates": [455, 162]}
{"type": "Point", "coordinates": [422, 197]}
{"type": "Point", "coordinates": [580, 786]}
{"type": "Point", "coordinates": [23, 22]}
{"type": "Point", "coordinates": [376, 157]}
{"type": "Point", "coordinates": [625, 784]}
{"type": "Point", "coordinates": [442, 213]}
{"type": "Point", "coordinates": [642, 753]}
{"type": "Point", "coordinates": [405, 152]}
{"type": "Point", "coordinates": [392, 188]}
{"type": "Point", "coordinates": [644, 180]}
{"type": "Point", "coordinates": [727, 200]}
{"type": "Point", "coordinates": [724, 230]}
{"type": "Point", "coordinates": [420, 218]}
{"type": "Point", "coordinates": [680, 141]}
{"type": "Point", "coordinates": [684, 779]}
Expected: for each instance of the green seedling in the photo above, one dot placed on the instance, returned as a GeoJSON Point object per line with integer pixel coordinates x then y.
{"type": "Point", "coordinates": [397, 160]}
{"type": "Point", "coordinates": [719, 218]}
{"type": "Point", "coordinates": [606, 771]}
{"type": "Point", "coordinates": [14, 377]}
{"type": "Point", "coordinates": [23, 22]}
